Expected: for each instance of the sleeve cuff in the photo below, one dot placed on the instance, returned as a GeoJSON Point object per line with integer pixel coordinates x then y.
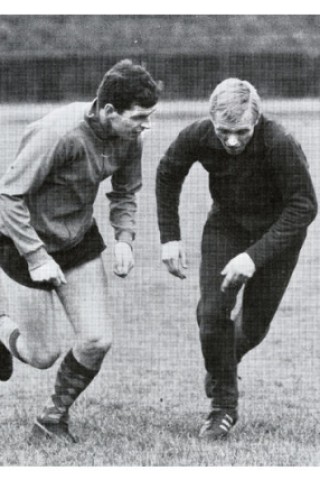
{"type": "Point", "coordinates": [125, 237]}
{"type": "Point", "coordinates": [37, 258]}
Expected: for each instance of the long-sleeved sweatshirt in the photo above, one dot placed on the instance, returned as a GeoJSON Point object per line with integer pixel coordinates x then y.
{"type": "Point", "coordinates": [47, 194]}
{"type": "Point", "coordinates": [266, 190]}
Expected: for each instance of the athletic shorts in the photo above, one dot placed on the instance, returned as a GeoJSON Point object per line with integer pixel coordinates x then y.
{"type": "Point", "coordinates": [16, 267]}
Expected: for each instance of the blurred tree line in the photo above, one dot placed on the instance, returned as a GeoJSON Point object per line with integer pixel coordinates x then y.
{"type": "Point", "coordinates": [161, 34]}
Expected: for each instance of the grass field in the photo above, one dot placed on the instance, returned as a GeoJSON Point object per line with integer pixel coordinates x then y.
{"type": "Point", "coordinates": [146, 406]}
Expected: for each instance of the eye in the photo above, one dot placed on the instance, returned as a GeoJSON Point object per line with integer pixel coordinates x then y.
{"type": "Point", "coordinates": [243, 132]}
{"type": "Point", "coordinates": [222, 131]}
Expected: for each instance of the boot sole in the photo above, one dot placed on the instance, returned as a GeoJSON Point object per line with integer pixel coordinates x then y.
{"type": "Point", "coordinates": [6, 359]}
{"type": "Point", "coordinates": [40, 432]}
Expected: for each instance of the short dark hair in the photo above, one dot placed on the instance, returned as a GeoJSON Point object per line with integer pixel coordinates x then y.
{"type": "Point", "coordinates": [126, 84]}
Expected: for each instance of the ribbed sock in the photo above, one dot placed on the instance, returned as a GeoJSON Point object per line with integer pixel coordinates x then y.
{"type": "Point", "coordinates": [72, 379]}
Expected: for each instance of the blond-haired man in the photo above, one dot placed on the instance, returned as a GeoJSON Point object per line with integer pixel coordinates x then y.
{"type": "Point", "coordinates": [263, 202]}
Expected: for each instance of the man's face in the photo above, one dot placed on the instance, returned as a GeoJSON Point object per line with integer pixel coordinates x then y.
{"type": "Point", "coordinates": [234, 136]}
{"type": "Point", "coordinates": [130, 123]}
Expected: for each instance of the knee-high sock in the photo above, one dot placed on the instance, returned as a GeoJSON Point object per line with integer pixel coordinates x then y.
{"type": "Point", "coordinates": [72, 379]}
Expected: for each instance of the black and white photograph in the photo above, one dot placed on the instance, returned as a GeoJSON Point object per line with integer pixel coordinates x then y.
{"type": "Point", "coordinates": [159, 240]}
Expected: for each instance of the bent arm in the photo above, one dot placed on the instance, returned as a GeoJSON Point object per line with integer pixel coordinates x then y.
{"type": "Point", "coordinates": [24, 176]}
{"type": "Point", "coordinates": [172, 170]}
{"type": "Point", "coordinates": [290, 172]}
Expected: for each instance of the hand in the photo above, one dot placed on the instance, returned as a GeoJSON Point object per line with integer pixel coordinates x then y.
{"type": "Point", "coordinates": [174, 257]}
{"type": "Point", "coordinates": [237, 271]}
{"type": "Point", "coordinates": [48, 272]}
{"type": "Point", "coordinates": [124, 261]}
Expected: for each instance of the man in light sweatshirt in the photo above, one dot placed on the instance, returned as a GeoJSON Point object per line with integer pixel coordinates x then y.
{"type": "Point", "coordinates": [49, 238]}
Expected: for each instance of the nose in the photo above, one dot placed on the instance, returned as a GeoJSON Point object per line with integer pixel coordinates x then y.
{"type": "Point", "coordinates": [146, 124]}
{"type": "Point", "coordinates": [232, 141]}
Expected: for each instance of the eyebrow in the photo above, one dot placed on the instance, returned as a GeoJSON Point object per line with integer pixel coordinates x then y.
{"type": "Point", "coordinates": [141, 113]}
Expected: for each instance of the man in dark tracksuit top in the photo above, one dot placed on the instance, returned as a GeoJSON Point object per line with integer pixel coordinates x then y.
{"type": "Point", "coordinates": [263, 203]}
{"type": "Point", "coordinates": [49, 240]}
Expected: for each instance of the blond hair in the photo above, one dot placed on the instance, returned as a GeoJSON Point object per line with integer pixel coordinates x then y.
{"type": "Point", "coordinates": [232, 98]}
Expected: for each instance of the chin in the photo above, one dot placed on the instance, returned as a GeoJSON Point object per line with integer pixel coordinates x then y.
{"type": "Point", "coordinates": [234, 153]}
{"type": "Point", "coordinates": [134, 134]}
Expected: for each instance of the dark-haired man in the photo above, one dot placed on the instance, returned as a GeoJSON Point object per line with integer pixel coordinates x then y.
{"type": "Point", "coordinates": [263, 203]}
{"type": "Point", "coordinates": [50, 240]}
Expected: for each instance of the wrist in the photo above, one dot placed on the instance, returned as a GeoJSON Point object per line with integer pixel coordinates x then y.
{"type": "Point", "coordinates": [251, 262]}
{"type": "Point", "coordinates": [127, 243]}
{"type": "Point", "coordinates": [125, 237]}
{"type": "Point", "coordinates": [37, 258]}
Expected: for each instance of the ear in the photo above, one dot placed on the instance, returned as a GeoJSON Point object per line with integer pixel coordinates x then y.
{"type": "Point", "coordinates": [109, 109]}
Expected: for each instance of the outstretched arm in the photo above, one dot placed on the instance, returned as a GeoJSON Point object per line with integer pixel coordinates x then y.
{"type": "Point", "coordinates": [126, 182]}
{"type": "Point", "coordinates": [289, 169]}
{"type": "Point", "coordinates": [33, 163]}
{"type": "Point", "coordinates": [171, 172]}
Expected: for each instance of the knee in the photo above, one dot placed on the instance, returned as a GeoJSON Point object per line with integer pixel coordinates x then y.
{"type": "Point", "coordinates": [214, 321]}
{"type": "Point", "coordinates": [96, 344]}
{"type": "Point", "coordinates": [206, 312]}
{"type": "Point", "coordinates": [43, 360]}
{"type": "Point", "coordinates": [214, 308]}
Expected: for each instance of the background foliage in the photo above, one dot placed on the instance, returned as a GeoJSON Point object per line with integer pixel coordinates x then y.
{"type": "Point", "coordinates": [133, 34]}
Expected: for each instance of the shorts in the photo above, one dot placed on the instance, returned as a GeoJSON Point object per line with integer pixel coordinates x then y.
{"type": "Point", "coordinates": [16, 266]}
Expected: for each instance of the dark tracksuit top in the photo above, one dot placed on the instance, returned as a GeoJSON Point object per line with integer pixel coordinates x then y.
{"type": "Point", "coordinates": [266, 190]}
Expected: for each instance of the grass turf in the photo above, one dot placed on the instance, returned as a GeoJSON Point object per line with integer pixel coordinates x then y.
{"type": "Point", "coordinates": [147, 404]}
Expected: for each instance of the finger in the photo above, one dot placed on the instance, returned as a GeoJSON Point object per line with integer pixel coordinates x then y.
{"type": "Point", "coordinates": [224, 271]}
{"type": "Point", "coordinates": [180, 274]}
{"type": "Point", "coordinates": [224, 285]}
{"type": "Point", "coordinates": [59, 278]}
{"type": "Point", "coordinates": [184, 262]}
{"type": "Point", "coordinates": [119, 273]}
{"type": "Point", "coordinates": [118, 264]}
{"type": "Point", "coordinates": [56, 282]}
{"type": "Point", "coordinates": [174, 266]}
{"type": "Point", "coordinates": [181, 270]}
{"type": "Point", "coordinates": [176, 269]}
{"type": "Point", "coordinates": [226, 282]}
{"type": "Point", "coordinates": [126, 267]}
{"type": "Point", "coordinates": [118, 268]}
{"type": "Point", "coordinates": [63, 278]}
{"type": "Point", "coordinates": [238, 279]}
{"type": "Point", "coordinates": [169, 267]}
{"type": "Point", "coordinates": [242, 279]}
{"type": "Point", "coordinates": [130, 267]}
{"type": "Point", "coordinates": [166, 260]}
{"type": "Point", "coordinates": [127, 270]}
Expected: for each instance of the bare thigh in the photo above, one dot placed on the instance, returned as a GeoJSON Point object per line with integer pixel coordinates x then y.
{"type": "Point", "coordinates": [39, 316]}
{"type": "Point", "coordinates": [84, 299]}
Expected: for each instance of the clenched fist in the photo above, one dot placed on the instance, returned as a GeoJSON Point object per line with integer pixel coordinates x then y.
{"type": "Point", "coordinates": [237, 271]}
{"type": "Point", "coordinates": [123, 259]}
{"type": "Point", "coordinates": [48, 272]}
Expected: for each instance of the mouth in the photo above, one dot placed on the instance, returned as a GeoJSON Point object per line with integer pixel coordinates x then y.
{"type": "Point", "coordinates": [234, 151]}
